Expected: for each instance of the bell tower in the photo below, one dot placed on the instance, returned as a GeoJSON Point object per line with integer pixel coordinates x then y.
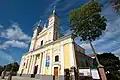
{"type": "Point", "coordinates": [36, 31]}
{"type": "Point", "coordinates": [53, 25]}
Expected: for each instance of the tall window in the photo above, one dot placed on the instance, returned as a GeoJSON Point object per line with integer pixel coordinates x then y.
{"type": "Point", "coordinates": [41, 42]}
{"type": "Point", "coordinates": [24, 64]}
{"type": "Point", "coordinates": [56, 58]}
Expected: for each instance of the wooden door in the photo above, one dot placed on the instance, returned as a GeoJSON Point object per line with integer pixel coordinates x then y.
{"type": "Point", "coordinates": [35, 70]}
{"type": "Point", "coordinates": [56, 73]}
{"type": "Point", "coordinates": [21, 72]}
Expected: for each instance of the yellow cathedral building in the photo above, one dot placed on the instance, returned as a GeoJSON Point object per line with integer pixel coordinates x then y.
{"type": "Point", "coordinates": [50, 53]}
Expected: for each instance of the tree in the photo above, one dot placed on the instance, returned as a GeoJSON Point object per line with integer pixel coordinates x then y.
{"type": "Point", "coordinates": [1, 69]}
{"type": "Point", "coordinates": [15, 67]}
{"type": "Point", "coordinates": [4, 72]}
{"type": "Point", "coordinates": [115, 4]}
{"type": "Point", "coordinates": [111, 65]}
{"type": "Point", "coordinates": [88, 23]}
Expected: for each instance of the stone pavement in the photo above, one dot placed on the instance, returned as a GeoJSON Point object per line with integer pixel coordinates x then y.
{"type": "Point", "coordinates": [20, 78]}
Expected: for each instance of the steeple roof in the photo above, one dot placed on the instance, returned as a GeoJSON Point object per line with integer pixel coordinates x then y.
{"type": "Point", "coordinates": [53, 12]}
{"type": "Point", "coordinates": [37, 25]}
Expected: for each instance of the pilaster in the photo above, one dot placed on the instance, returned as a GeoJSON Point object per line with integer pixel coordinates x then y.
{"type": "Point", "coordinates": [33, 65]}
{"type": "Point", "coordinates": [28, 66]}
{"type": "Point", "coordinates": [62, 60]}
{"type": "Point", "coordinates": [71, 55]}
{"type": "Point", "coordinates": [39, 68]}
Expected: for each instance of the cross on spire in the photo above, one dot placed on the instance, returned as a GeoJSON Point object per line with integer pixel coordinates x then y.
{"type": "Point", "coordinates": [38, 23]}
{"type": "Point", "coordinates": [54, 10]}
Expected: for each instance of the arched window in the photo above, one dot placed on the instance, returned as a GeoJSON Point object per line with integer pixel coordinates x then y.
{"type": "Point", "coordinates": [56, 58]}
{"type": "Point", "coordinates": [41, 42]}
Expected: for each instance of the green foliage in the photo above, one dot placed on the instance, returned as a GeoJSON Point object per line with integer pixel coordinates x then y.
{"type": "Point", "coordinates": [111, 63]}
{"type": "Point", "coordinates": [116, 5]}
{"type": "Point", "coordinates": [14, 65]}
{"type": "Point", "coordinates": [87, 21]}
{"type": "Point", "coordinates": [1, 69]}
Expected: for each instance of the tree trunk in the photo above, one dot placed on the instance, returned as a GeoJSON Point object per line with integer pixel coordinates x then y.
{"type": "Point", "coordinates": [100, 67]}
{"type": "Point", "coordinates": [94, 52]}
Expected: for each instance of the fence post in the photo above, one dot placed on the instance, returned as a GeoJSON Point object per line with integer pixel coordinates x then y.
{"type": "Point", "coordinates": [67, 74]}
{"type": "Point", "coordinates": [72, 73]}
{"type": "Point", "coordinates": [102, 72]}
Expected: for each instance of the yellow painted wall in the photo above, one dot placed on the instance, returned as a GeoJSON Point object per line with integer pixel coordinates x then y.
{"type": "Point", "coordinates": [66, 56]}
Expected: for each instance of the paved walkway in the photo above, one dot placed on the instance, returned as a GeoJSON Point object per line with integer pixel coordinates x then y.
{"type": "Point", "coordinates": [20, 78]}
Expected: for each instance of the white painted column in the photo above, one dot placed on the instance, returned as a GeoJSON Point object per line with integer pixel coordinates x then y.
{"type": "Point", "coordinates": [38, 71]}
{"type": "Point", "coordinates": [33, 66]}
{"type": "Point", "coordinates": [28, 64]}
{"type": "Point", "coordinates": [43, 64]}
{"type": "Point", "coordinates": [50, 61]}
{"type": "Point", "coordinates": [71, 55]}
{"type": "Point", "coordinates": [21, 65]}
{"type": "Point", "coordinates": [62, 60]}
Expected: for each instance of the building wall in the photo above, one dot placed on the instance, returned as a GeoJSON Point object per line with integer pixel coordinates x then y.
{"type": "Point", "coordinates": [66, 56]}
{"type": "Point", "coordinates": [62, 48]}
{"type": "Point", "coordinates": [83, 60]}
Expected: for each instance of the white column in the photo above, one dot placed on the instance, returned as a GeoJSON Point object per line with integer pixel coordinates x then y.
{"type": "Point", "coordinates": [20, 68]}
{"type": "Point", "coordinates": [44, 61]}
{"type": "Point", "coordinates": [71, 55]}
{"type": "Point", "coordinates": [42, 55]}
{"type": "Point", "coordinates": [28, 65]}
{"type": "Point", "coordinates": [33, 65]}
{"type": "Point", "coordinates": [38, 71]}
{"type": "Point", "coordinates": [41, 63]}
{"type": "Point", "coordinates": [50, 54]}
{"type": "Point", "coordinates": [62, 60]}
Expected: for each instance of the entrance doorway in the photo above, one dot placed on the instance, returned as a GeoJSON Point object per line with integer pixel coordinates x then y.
{"type": "Point", "coordinates": [21, 72]}
{"type": "Point", "coordinates": [55, 73]}
{"type": "Point", "coordinates": [35, 71]}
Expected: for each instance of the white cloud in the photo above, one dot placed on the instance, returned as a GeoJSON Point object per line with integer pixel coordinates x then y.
{"type": "Point", "coordinates": [18, 44]}
{"type": "Point", "coordinates": [3, 46]}
{"type": "Point", "coordinates": [1, 26]}
{"type": "Point", "coordinates": [16, 37]}
{"type": "Point", "coordinates": [14, 33]}
{"type": "Point", "coordinates": [67, 32]}
{"type": "Point", "coordinates": [14, 43]}
{"type": "Point", "coordinates": [86, 46]}
{"type": "Point", "coordinates": [117, 52]}
{"type": "Point", "coordinates": [111, 37]}
{"type": "Point", "coordinates": [50, 7]}
{"type": "Point", "coordinates": [6, 56]}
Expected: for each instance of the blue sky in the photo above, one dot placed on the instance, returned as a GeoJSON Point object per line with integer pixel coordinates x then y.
{"type": "Point", "coordinates": [17, 18]}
